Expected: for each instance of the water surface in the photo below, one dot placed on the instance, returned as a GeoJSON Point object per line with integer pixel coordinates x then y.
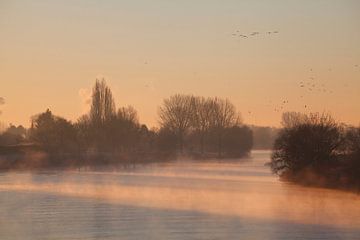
{"type": "Point", "coordinates": [179, 200]}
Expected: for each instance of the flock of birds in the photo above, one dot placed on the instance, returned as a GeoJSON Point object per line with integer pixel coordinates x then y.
{"type": "Point", "coordinates": [311, 86]}
{"type": "Point", "coordinates": [238, 34]}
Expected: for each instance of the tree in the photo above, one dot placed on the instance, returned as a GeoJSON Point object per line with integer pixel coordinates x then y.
{"type": "Point", "coordinates": [123, 130]}
{"type": "Point", "coordinates": [176, 115]}
{"type": "Point", "coordinates": [128, 114]}
{"type": "Point", "coordinates": [306, 143]}
{"type": "Point", "coordinates": [55, 134]}
{"type": "Point", "coordinates": [238, 141]}
{"type": "Point", "coordinates": [102, 112]}
{"type": "Point", "coordinates": [200, 121]}
{"type": "Point", "coordinates": [352, 158]}
{"type": "Point", "coordinates": [13, 135]}
{"type": "Point", "coordinates": [103, 105]}
{"type": "Point", "coordinates": [166, 142]}
{"type": "Point", "coordinates": [223, 115]}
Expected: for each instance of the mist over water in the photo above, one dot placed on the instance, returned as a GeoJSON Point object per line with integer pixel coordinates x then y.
{"type": "Point", "coordinates": [178, 200]}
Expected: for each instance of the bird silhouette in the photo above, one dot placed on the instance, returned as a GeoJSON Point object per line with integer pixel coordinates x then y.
{"type": "Point", "coordinates": [252, 34]}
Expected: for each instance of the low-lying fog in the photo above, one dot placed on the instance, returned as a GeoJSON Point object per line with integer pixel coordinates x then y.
{"type": "Point", "coordinates": [178, 200]}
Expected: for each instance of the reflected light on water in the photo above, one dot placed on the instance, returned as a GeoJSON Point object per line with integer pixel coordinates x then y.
{"type": "Point", "coordinates": [236, 189]}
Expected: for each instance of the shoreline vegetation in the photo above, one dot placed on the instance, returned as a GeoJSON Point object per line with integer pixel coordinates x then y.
{"type": "Point", "coordinates": [190, 126]}
{"type": "Point", "coordinates": [310, 149]}
{"type": "Point", "coordinates": [315, 150]}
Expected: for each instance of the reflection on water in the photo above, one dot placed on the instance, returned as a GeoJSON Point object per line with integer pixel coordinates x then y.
{"type": "Point", "coordinates": [209, 200]}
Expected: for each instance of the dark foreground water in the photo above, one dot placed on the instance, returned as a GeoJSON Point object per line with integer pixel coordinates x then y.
{"type": "Point", "coordinates": [209, 200]}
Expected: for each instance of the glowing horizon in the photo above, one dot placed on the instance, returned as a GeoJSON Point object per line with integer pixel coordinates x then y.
{"type": "Point", "coordinates": [52, 52]}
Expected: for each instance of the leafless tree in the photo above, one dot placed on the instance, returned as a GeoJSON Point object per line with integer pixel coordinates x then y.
{"type": "Point", "coordinates": [103, 105]}
{"type": "Point", "coordinates": [129, 114]}
{"type": "Point", "coordinates": [223, 115]}
{"type": "Point", "coordinates": [202, 110]}
{"type": "Point", "coordinates": [176, 114]}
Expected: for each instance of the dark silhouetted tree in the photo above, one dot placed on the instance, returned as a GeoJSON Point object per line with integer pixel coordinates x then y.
{"type": "Point", "coordinates": [238, 141]}
{"type": "Point", "coordinates": [223, 115]}
{"type": "Point", "coordinates": [351, 162]}
{"type": "Point", "coordinates": [55, 134]}
{"type": "Point", "coordinates": [200, 121]}
{"type": "Point", "coordinates": [176, 115]}
{"type": "Point", "coordinates": [306, 143]}
{"type": "Point", "coordinates": [166, 142]}
{"type": "Point", "coordinates": [102, 105]}
{"type": "Point", "coordinates": [13, 135]}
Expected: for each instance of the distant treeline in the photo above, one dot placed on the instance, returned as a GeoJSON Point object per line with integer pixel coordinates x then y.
{"type": "Point", "coordinates": [264, 137]}
{"type": "Point", "coordinates": [190, 126]}
{"type": "Point", "coordinates": [316, 150]}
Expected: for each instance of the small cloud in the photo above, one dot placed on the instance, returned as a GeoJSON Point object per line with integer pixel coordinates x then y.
{"type": "Point", "coordinates": [2, 101]}
{"type": "Point", "coordinates": [85, 94]}
{"type": "Point", "coordinates": [85, 97]}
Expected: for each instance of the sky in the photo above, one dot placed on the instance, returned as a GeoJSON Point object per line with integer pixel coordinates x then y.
{"type": "Point", "coordinates": [51, 52]}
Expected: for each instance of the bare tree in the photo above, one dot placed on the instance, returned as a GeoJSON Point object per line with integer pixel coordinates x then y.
{"type": "Point", "coordinates": [176, 114]}
{"type": "Point", "coordinates": [103, 105]}
{"type": "Point", "coordinates": [202, 109]}
{"type": "Point", "coordinates": [223, 115]}
{"type": "Point", "coordinates": [307, 141]}
{"type": "Point", "coordinates": [129, 114]}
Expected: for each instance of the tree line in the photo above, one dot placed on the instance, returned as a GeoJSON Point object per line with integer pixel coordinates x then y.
{"type": "Point", "coordinates": [190, 126]}
{"type": "Point", "coordinates": [209, 126]}
{"type": "Point", "coordinates": [314, 149]}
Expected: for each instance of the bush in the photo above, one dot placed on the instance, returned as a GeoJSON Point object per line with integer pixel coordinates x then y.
{"type": "Point", "coordinates": [314, 149]}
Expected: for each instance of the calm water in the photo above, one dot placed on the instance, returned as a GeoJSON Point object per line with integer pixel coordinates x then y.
{"type": "Point", "coordinates": [209, 200]}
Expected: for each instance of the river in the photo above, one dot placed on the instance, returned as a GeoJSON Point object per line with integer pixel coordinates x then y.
{"type": "Point", "coordinates": [177, 200]}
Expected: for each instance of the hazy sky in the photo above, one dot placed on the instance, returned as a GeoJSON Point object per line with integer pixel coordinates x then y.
{"type": "Point", "coordinates": [52, 51]}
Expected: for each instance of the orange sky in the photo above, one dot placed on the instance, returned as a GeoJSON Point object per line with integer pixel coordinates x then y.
{"type": "Point", "coordinates": [52, 51]}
